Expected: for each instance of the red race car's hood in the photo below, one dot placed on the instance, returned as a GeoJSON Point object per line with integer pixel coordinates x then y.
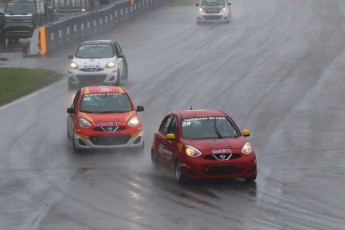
{"type": "Point", "coordinates": [217, 144]}
{"type": "Point", "coordinates": [111, 117]}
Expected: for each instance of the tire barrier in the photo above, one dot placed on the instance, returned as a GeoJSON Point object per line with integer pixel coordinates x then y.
{"type": "Point", "coordinates": [81, 27]}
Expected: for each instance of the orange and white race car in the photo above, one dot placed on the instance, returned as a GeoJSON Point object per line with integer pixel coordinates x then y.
{"type": "Point", "coordinates": [104, 117]}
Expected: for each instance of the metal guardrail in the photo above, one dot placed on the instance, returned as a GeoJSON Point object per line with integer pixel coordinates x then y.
{"type": "Point", "coordinates": [81, 27]}
{"type": "Point", "coordinates": [62, 9]}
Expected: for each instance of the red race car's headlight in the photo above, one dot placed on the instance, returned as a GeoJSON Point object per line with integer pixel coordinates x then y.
{"type": "Point", "coordinates": [247, 148]}
{"type": "Point", "coordinates": [192, 152]}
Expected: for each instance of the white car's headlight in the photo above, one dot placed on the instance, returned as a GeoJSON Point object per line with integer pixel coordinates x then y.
{"type": "Point", "coordinates": [201, 10]}
{"type": "Point", "coordinates": [83, 123]}
{"type": "Point", "coordinates": [111, 64]}
{"type": "Point", "coordinates": [225, 9]}
{"type": "Point", "coordinates": [247, 148]}
{"type": "Point", "coordinates": [73, 65]}
{"type": "Point", "coordinates": [134, 122]}
{"type": "Point", "coordinates": [192, 152]}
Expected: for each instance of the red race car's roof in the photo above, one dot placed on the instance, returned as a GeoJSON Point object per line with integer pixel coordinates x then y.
{"type": "Point", "coordinates": [103, 89]}
{"type": "Point", "coordinates": [200, 113]}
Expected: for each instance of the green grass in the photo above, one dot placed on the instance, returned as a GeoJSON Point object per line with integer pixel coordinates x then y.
{"type": "Point", "coordinates": [15, 83]}
{"type": "Point", "coordinates": [181, 2]}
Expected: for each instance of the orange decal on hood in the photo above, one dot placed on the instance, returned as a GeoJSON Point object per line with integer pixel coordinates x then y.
{"type": "Point", "coordinates": [88, 118]}
{"type": "Point", "coordinates": [121, 90]}
{"type": "Point", "coordinates": [129, 115]}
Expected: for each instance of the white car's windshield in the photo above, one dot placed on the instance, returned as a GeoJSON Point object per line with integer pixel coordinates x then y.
{"type": "Point", "coordinates": [208, 128]}
{"type": "Point", "coordinates": [106, 103]}
{"type": "Point", "coordinates": [212, 3]}
{"type": "Point", "coordinates": [95, 51]}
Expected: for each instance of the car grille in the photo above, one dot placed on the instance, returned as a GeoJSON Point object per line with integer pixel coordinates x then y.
{"type": "Point", "coordinates": [91, 69]}
{"type": "Point", "coordinates": [110, 140]}
{"type": "Point", "coordinates": [213, 11]}
{"type": "Point", "coordinates": [91, 78]}
{"type": "Point", "coordinates": [222, 170]}
{"type": "Point", "coordinates": [109, 128]}
{"type": "Point", "coordinates": [222, 156]}
{"type": "Point", "coordinates": [212, 17]}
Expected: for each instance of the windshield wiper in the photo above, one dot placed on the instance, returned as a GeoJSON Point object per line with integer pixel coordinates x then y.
{"type": "Point", "coordinates": [85, 111]}
{"type": "Point", "coordinates": [112, 111]}
{"type": "Point", "coordinates": [216, 130]}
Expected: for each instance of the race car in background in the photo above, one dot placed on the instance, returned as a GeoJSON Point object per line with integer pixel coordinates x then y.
{"type": "Point", "coordinates": [213, 11]}
{"type": "Point", "coordinates": [100, 62]}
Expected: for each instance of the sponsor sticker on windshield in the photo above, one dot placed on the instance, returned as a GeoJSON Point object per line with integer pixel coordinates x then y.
{"type": "Point", "coordinates": [189, 121]}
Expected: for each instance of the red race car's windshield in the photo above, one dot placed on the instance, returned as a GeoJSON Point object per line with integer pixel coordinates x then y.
{"type": "Point", "coordinates": [106, 103]}
{"type": "Point", "coordinates": [208, 128]}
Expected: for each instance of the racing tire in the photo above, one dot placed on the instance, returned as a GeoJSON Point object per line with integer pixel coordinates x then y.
{"type": "Point", "coordinates": [125, 76]}
{"type": "Point", "coordinates": [117, 83]}
{"type": "Point", "coordinates": [68, 135]}
{"type": "Point", "coordinates": [75, 149]}
{"type": "Point", "coordinates": [178, 172]}
{"type": "Point", "coordinates": [250, 179]}
{"type": "Point", "coordinates": [154, 160]}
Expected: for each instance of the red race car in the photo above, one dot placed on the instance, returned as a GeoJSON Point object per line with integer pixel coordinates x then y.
{"type": "Point", "coordinates": [203, 144]}
{"type": "Point", "coordinates": [104, 117]}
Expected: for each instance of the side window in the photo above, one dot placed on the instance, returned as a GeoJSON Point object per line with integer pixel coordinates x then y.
{"type": "Point", "coordinates": [117, 50]}
{"type": "Point", "coordinates": [75, 100]}
{"type": "Point", "coordinates": [173, 126]}
{"type": "Point", "coordinates": [165, 124]}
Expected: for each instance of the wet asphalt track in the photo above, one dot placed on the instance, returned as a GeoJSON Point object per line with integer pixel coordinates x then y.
{"type": "Point", "coordinates": [278, 69]}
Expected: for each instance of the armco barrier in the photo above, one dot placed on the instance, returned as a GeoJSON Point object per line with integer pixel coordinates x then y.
{"type": "Point", "coordinates": [83, 26]}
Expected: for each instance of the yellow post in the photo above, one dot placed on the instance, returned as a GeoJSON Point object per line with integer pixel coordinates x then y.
{"type": "Point", "coordinates": [43, 42]}
{"type": "Point", "coordinates": [132, 3]}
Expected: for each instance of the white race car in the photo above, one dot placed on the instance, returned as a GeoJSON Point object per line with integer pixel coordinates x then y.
{"type": "Point", "coordinates": [97, 62]}
{"type": "Point", "coordinates": [213, 10]}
